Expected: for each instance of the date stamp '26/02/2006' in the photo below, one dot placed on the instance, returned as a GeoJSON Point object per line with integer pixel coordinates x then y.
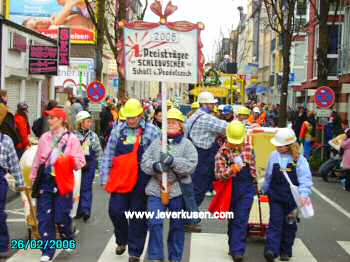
{"type": "Point", "coordinates": [43, 244]}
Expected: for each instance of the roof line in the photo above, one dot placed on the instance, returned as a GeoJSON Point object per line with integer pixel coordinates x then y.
{"type": "Point", "coordinates": [27, 30]}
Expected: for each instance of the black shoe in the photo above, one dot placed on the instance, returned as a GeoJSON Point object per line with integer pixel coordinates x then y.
{"type": "Point", "coordinates": [237, 258]}
{"type": "Point", "coordinates": [284, 257]}
{"type": "Point", "coordinates": [78, 216]}
{"type": "Point", "coordinates": [269, 256]}
{"type": "Point", "coordinates": [134, 259]}
{"type": "Point", "coordinates": [120, 250]}
{"type": "Point", "coordinates": [86, 217]}
{"type": "Point", "coordinates": [325, 178]}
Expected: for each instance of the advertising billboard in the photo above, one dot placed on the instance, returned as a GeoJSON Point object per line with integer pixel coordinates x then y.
{"type": "Point", "coordinates": [46, 16]}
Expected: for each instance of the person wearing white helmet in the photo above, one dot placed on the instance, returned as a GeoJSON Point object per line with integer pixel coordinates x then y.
{"type": "Point", "coordinates": [202, 128]}
{"type": "Point", "coordinates": [286, 160]}
{"type": "Point", "coordinates": [93, 156]}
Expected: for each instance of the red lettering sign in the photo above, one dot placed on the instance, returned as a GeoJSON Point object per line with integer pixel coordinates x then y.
{"type": "Point", "coordinates": [63, 45]}
{"type": "Point", "coordinates": [43, 67]}
{"type": "Point", "coordinates": [43, 52]}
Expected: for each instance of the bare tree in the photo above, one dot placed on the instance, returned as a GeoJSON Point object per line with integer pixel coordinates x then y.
{"type": "Point", "coordinates": [322, 15]}
{"type": "Point", "coordinates": [106, 18]}
{"type": "Point", "coordinates": [281, 17]}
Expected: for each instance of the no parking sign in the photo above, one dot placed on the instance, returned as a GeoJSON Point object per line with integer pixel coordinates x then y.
{"type": "Point", "coordinates": [324, 97]}
{"type": "Point", "coordinates": [96, 92]}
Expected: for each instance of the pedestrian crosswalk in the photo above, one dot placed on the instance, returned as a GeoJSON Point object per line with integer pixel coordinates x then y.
{"type": "Point", "coordinates": [217, 245]}
{"type": "Point", "coordinates": [204, 247]}
{"type": "Point", "coordinates": [345, 246]}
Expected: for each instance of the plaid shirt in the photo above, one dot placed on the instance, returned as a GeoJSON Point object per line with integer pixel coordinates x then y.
{"type": "Point", "coordinates": [9, 160]}
{"type": "Point", "coordinates": [150, 133]}
{"type": "Point", "coordinates": [205, 130]}
{"type": "Point", "coordinates": [225, 158]}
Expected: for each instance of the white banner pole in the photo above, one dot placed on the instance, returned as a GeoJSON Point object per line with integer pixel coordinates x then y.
{"type": "Point", "coordinates": [164, 131]}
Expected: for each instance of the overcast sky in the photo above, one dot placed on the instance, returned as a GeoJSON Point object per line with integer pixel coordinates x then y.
{"type": "Point", "coordinates": [217, 15]}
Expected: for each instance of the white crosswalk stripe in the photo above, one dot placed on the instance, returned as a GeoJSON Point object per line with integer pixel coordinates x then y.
{"type": "Point", "coordinates": [301, 252]}
{"type": "Point", "coordinates": [215, 243]}
{"type": "Point", "coordinates": [345, 245]}
{"type": "Point", "coordinates": [218, 246]}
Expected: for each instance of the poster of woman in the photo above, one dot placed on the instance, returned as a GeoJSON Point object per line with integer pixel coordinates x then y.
{"type": "Point", "coordinates": [45, 16]}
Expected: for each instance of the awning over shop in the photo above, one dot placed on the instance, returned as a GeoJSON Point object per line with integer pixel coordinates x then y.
{"type": "Point", "coordinates": [216, 91]}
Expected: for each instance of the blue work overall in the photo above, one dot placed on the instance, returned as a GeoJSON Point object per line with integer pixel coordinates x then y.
{"type": "Point", "coordinates": [243, 191]}
{"type": "Point", "coordinates": [133, 232]}
{"type": "Point", "coordinates": [280, 233]}
{"type": "Point", "coordinates": [87, 179]}
{"type": "Point", "coordinates": [203, 176]}
{"type": "Point", "coordinates": [53, 209]}
{"type": "Point", "coordinates": [4, 234]}
{"type": "Point", "coordinates": [176, 237]}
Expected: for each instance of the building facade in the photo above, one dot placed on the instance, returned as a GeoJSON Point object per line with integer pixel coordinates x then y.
{"type": "Point", "coordinates": [15, 77]}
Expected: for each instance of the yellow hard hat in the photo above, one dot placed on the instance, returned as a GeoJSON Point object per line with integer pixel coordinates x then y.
{"type": "Point", "coordinates": [132, 108]}
{"type": "Point", "coordinates": [169, 103]}
{"type": "Point", "coordinates": [121, 114]}
{"type": "Point", "coordinates": [243, 111]}
{"type": "Point", "coordinates": [236, 132]}
{"type": "Point", "coordinates": [175, 113]}
{"type": "Point", "coordinates": [195, 105]}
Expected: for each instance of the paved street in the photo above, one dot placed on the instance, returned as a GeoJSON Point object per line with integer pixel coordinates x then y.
{"type": "Point", "coordinates": [325, 238]}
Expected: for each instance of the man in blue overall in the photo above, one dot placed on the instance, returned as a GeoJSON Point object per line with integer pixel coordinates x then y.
{"type": "Point", "coordinates": [122, 141]}
{"type": "Point", "coordinates": [8, 164]}
{"type": "Point", "coordinates": [202, 128]}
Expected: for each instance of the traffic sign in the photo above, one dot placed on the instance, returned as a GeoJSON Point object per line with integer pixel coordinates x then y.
{"type": "Point", "coordinates": [323, 113]}
{"type": "Point", "coordinates": [95, 107]}
{"type": "Point", "coordinates": [324, 97]}
{"type": "Point", "coordinates": [96, 92]}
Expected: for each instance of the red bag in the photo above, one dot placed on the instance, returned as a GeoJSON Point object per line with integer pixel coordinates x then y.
{"type": "Point", "coordinates": [221, 202]}
{"type": "Point", "coordinates": [64, 167]}
{"type": "Point", "coordinates": [125, 171]}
